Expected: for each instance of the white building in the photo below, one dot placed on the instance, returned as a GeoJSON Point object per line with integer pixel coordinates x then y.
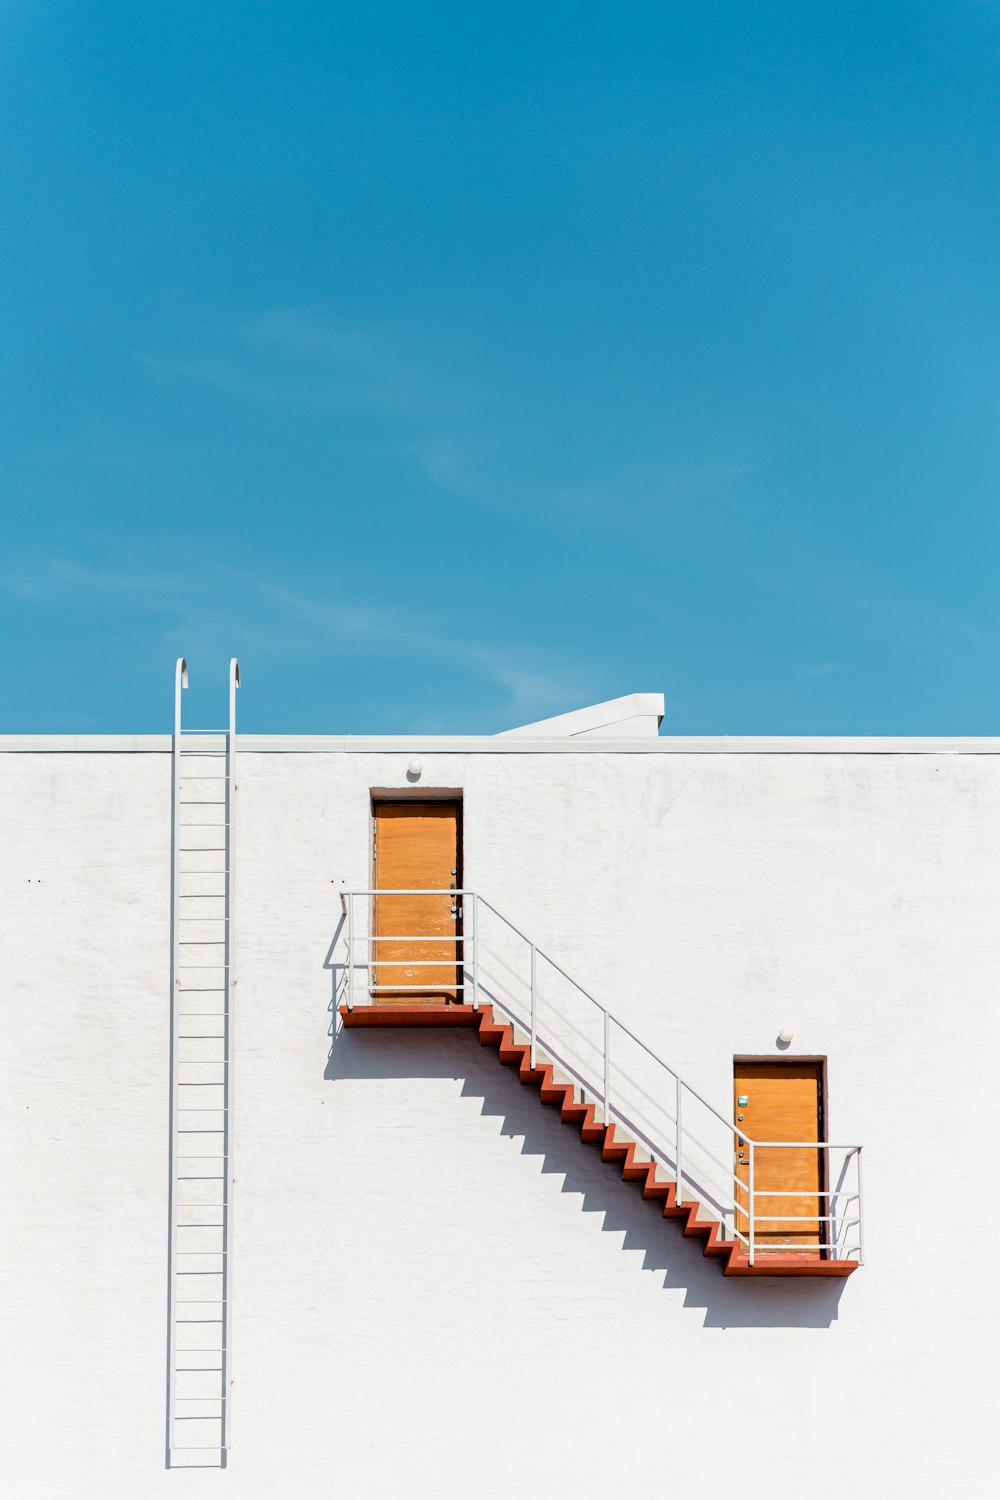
{"type": "Point", "coordinates": [243, 1229]}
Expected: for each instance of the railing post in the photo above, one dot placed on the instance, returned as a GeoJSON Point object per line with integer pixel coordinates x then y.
{"type": "Point", "coordinates": [475, 951]}
{"type": "Point", "coordinates": [861, 1214]}
{"type": "Point", "coordinates": [752, 1204]}
{"type": "Point", "coordinates": [607, 1066]}
{"type": "Point", "coordinates": [533, 1005]}
{"type": "Point", "coordinates": [677, 1112]}
{"type": "Point", "coordinates": [350, 950]}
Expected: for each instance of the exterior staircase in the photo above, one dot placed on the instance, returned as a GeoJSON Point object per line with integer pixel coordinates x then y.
{"type": "Point", "coordinates": [619, 1150]}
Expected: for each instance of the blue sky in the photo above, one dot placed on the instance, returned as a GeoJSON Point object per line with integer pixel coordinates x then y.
{"type": "Point", "coordinates": [459, 365]}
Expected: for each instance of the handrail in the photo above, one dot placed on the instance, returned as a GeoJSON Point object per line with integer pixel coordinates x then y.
{"type": "Point", "coordinates": [737, 1186]}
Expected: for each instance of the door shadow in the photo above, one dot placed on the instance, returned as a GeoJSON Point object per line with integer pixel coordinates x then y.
{"type": "Point", "coordinates": [537, 1130]}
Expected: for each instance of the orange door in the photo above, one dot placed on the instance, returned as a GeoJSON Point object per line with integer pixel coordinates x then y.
{"type": "Point", "coordinates": [779, 1101]}
{"type": "Point", "coordinates": [416, 952]}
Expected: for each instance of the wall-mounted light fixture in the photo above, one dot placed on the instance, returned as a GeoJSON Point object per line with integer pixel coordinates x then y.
{"type": "Point", "coordinates": [414, 769]}
{"type": "Point", "coordinates": [785, 1037]}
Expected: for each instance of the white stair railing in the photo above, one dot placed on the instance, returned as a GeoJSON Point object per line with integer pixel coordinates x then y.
{"type": "Point", "coordinates": [495, 962]}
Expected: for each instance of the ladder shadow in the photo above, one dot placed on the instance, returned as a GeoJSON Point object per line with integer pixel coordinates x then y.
{"type": "Point", "coordinates": [538, 1131]}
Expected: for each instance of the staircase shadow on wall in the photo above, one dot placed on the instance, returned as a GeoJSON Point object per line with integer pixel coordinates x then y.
{"type": "Point", "coordinates": [539, 1131]}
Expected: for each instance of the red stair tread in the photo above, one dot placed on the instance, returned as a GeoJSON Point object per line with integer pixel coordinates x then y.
{"type": "Point", "coordinates": [615, 1146]}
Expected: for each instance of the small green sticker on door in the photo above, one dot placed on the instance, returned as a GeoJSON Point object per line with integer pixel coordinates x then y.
{"type": "Point", "coordinates": [743, 1100]}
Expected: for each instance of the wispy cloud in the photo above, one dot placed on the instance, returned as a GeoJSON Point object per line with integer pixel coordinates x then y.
{"type": "Point", "coordinates": [422, 396]}
{"type": "Point", "coordinates": [306, 355]}
{"type": "Point", "coordinates": [273, 621]}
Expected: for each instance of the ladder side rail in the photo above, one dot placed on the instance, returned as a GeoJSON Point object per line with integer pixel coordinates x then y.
{"type": "Point", "coordinates": [228, 1064]}
{"type": "Point", "coordinates": [180, 683]}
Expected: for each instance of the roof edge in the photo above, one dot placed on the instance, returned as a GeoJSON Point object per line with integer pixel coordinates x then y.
{"type": "Point", "coordinates": [512, 744]}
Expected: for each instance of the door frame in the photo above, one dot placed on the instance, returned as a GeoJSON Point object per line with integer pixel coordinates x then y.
{"type": "Point", "coordinates": [417, 794]}
{"type": "Point", "coordinates": [791, 1059]}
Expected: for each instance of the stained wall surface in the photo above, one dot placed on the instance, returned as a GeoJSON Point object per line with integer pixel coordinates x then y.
{"type": "Point", "coordinates": [437, 1289]}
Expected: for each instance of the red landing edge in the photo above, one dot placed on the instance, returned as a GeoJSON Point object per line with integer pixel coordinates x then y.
{"type": "Point", "coordinates": [410, 1015]}
{"type": "Point", "coordinates": [614, 1146]}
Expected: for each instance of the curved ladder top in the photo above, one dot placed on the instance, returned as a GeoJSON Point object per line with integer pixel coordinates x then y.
{"type": "Point", "coordinates": [180, 682]}
{"type": "Point", "coordinates": [234, 682]}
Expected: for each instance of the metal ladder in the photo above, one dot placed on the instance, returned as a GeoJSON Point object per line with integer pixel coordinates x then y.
{"type": "Point", "coordinates": [202, 953]}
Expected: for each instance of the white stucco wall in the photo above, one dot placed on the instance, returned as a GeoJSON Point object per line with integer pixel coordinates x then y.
{"type": "Point", "coordinates": [437, 1289]}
